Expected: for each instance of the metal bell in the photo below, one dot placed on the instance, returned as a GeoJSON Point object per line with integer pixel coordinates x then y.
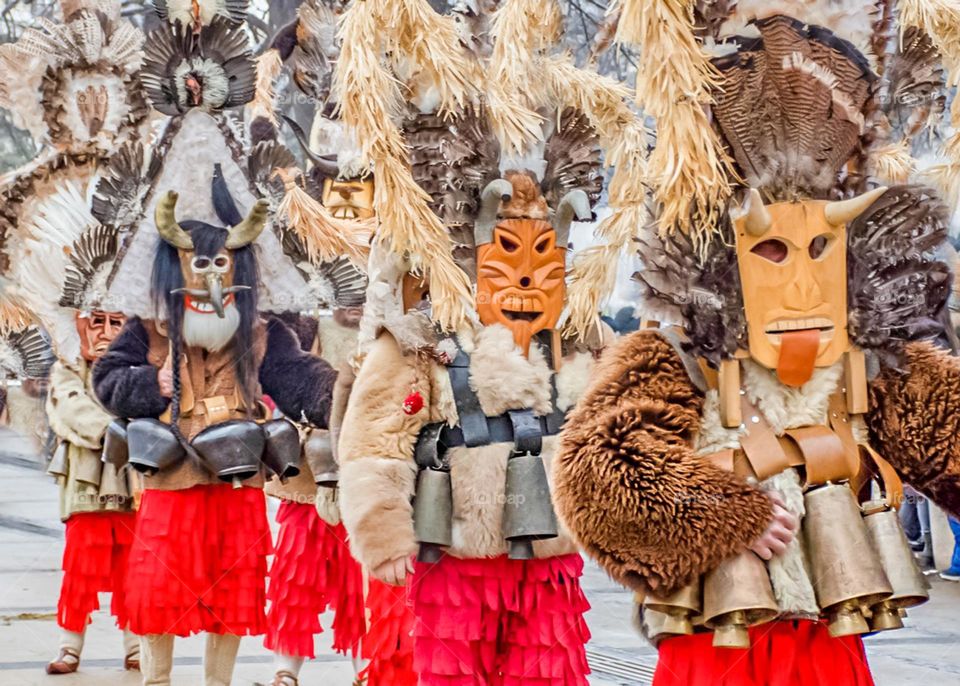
{"type": "Point", "coordinates": [528, 514]}
{"type": "Point", "coordinates": [433, 513]}
{"type": "Point", "coordinates": [899, 564]}
{"type": "Point", "coordinates": [737, 595]}
{"type": "Point", "coordinates": [318, 454]}
{"type": "Point", "coordinates": [231, 450]}
{"type": "Point", "coordinates": [282, 452]}
{"type": "Point", "coordinates": [152, 446]}
{"type": "Point", "coordinates": [113, 484]}
{"type": "Point", "coordinates": [60, 462]}
{"type": "Point", "coordinates": [846, 571]}
{"type": "Point", "coordinates": [675, 612]}
{"type": "Point", "coordinates": [115, 449]}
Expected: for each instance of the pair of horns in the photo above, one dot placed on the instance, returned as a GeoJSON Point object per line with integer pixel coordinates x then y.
{"type": "Point", "coordinates": [242, 234]}
{"type": "Point", "coordinates": [574, 204]}
{"type": "Point", "coordinates": [757, 219]}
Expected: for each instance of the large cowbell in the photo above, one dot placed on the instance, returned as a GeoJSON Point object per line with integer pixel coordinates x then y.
{"type": "Point", "coordinates": [737, 595]}
{"type": "Point", "coordinates": [433, 513]}
{"type": "Point", "coordinates": [528, 514]}
{"type": "Point", "coordinates": [909, 585]}
{"type": "Point", "coordinates": [282, 452]}
{"type": "Point", "coordinates": [231, 450]}
{"type": "Point", "coordinates": [152, 446]}
{"type": "Point", "coordinates": [847, 573]}
{"type": "Point", "coordinates": [116, 452]}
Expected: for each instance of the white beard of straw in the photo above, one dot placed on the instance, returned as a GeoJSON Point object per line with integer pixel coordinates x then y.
{"type": "Point", "coordinates": [207, 330]}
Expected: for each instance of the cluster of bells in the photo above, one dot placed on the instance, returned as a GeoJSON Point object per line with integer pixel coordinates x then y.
{"type": "Point", "coordinates": [528, 514]}
{"type": "Point", "coordinates": [863, 573]}
{"type": "Point", "coordinates": [233, 451]}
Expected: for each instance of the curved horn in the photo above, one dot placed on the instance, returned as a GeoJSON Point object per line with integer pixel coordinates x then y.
{"type": "Point", "coordinates": [845, 211]}
{"type": "Point", "coordinates": [246, 232]}
{"type": "Point", "coordinates": [327, 166]}
{"type": "Point", "coordinates": [573, 204]}
{"type": "Point", "coordinates": [165, 218]}
{"type": "Point", "coordinates": [493, 193]}
{"type": "Point", "coordinates": [757, 220]}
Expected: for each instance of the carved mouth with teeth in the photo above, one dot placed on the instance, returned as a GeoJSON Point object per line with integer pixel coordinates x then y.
{"type": "Point", "coordinates": [344, 212]}
{"type": "Point", "coordinates": [521, 316]}
{"type": "Point", "coordinates": [781, 326]}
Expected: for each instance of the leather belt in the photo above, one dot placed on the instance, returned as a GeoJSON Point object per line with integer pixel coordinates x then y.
{"type": "Point", "coordinates": [436, 439]}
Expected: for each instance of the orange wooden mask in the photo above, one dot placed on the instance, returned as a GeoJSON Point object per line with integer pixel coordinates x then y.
{"type": "Point", "coordinates": [97, 329]}
{"type": "Point", "coordinates": [520, 278]}
{"type": "Point", "coordinates": [792, 258]}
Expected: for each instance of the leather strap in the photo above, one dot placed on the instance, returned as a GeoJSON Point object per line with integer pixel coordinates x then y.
{"type": "Point", "coordinates": [823, 453]}
{"type": "Point", "coordinates": [473, 422]}
{"type": "Point", "coordinates": [840, 421]}
{"type": "Point", "coordinates": [876, 467]}
{"type": "Point", "coordinates": [760, 445]}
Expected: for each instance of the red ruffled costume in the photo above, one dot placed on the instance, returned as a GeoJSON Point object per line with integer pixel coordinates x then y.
{"type": "Point", "coordinates": [388, 643]}
{"type": "Point", "coordinates": [199, 562]}
{"type": "Point", "coordinates": [500, 622]}
{"type": "Point", "coordinates": [94, 561]}
{"type": "Point", "coordinates": [782, 653]}
{"type": "Point", "coordinates": [313, 570]}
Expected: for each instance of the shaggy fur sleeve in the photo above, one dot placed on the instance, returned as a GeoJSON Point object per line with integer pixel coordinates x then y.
{"type": "Point", "coordinates": [377, 440]}
{"type": "Point", "coordinates": [630, 488]}
{"type": "Point", "coordinates": [914, 421]}
{"type": "Point", "coordinates": [124, 381]}
{"type": "Point", "coordinates": [73, 414]}
{"type": "Point", "coordinates": [300, 383]}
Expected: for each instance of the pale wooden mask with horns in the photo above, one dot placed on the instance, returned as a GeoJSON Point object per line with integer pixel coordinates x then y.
{"type": "Point", "coordinates": [208, 279]}
{"type": "Point", "coordinates": [792, 259]}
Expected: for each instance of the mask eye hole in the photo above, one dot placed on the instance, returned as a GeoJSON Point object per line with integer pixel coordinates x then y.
{"type": "Point", "coordinates": [819, 246]}
{"type": "Point", "coordinates": [221, 261]}
{"type": "Point", "coordinates": [507, 244]}
{"type": "Point", "coordinates": [542, 245]}
{"type": "Point", "coordinates": [771, 249]}
{"type": "Point", "coordinates": [201, 263]}
{"type": "Point", "coordinates": [97, 320]}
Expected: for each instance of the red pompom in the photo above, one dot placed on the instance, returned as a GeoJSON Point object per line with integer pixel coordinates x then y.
{"type": "Point", "coordinates": [413, 403]}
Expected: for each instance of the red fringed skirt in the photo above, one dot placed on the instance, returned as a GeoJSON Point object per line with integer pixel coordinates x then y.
{"type": "Point", "coordinates": [94, 561]}
{"type": "Point", "coordinates": [783, 653]}
{"type": "Point", "coordinates": [199, 562]}
{"type": "Point", "coordinates": [388, 643]}
{"type": "Point", "coordinates": [312, 570]}
{"type": "Point", "coordinates": [500, 621]}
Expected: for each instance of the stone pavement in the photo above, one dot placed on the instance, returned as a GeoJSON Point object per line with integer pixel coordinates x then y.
{"type": "Point", "coordinates": [926, 653]}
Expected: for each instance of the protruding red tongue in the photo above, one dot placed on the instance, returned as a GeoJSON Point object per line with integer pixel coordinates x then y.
{"type": "Point", "coordinates": [798, 353]}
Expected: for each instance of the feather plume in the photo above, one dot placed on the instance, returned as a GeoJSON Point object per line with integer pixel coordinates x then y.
{"type": "Point", "coordinates": [269, 66]}
{"type": "Point", "coordinates": [118, 199]}
{"type": "Point", "coordinates": [370, 101]}
{"type": "Point", "coordinates": [791, 106]}
{"type": "Point", "coordinates": [892, 164]}
{"type": "Point", "coordinates": [339, 283]}
{"type": "Point", "coordinates": [688, 169]}
{"type": "Point", "coordinates": [940, 20]}
{"type": "Point", "coordinates": [325, 238]}
{"type": "Point", "coordinates": [219, 56]}
{"type": "Point", "coordinates": [202, 12]}
{"type": "Point", "coordinates": [26, 353]}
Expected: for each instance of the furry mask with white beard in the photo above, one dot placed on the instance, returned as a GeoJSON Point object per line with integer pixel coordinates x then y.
{"type": "Point", "coordinates": [206, 330]}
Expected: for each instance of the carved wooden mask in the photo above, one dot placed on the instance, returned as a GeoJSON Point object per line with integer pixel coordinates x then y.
{"type": "Point", "coordinates": [97, 330]}
{"type": "Point", "coordinates": [349, 199]}
{"type": "Point", "coordinates": [520, 278]}
{"type": "Point", "coordinates": [792, 259]}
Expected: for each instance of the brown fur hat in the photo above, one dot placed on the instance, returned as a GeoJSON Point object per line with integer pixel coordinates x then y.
{"type": "Point", "coordinates": [527, 201]}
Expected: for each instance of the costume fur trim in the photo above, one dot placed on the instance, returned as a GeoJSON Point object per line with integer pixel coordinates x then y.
{"type": "Point", "coordinates": [338, 344]}
{"type": "Point", "coordinates": [502, 376]}
{"type": "Point", "coordinates": [375, 498]}
{"type": "Point", "coordinates": [628, 484]}
{"type": "Point", "coordinates": [914, 422]}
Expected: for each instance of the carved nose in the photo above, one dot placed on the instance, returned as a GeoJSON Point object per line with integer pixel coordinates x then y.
{"type": "Point", "coordinates": [525, 281]}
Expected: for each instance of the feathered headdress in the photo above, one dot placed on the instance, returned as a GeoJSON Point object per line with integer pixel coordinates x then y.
{"type": "Point", "coordinates": [26, 354]}
{"type": "Point", "coordinates": [62, 264]}
{"type": "Point", "coordinates": [210, 69]}
{"type": "Point", "coordinates": [798, 108]}
{"type": "Point", "coordinates": [448, 78]}
{"type": "Point", "coordinates": [74, 84]}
